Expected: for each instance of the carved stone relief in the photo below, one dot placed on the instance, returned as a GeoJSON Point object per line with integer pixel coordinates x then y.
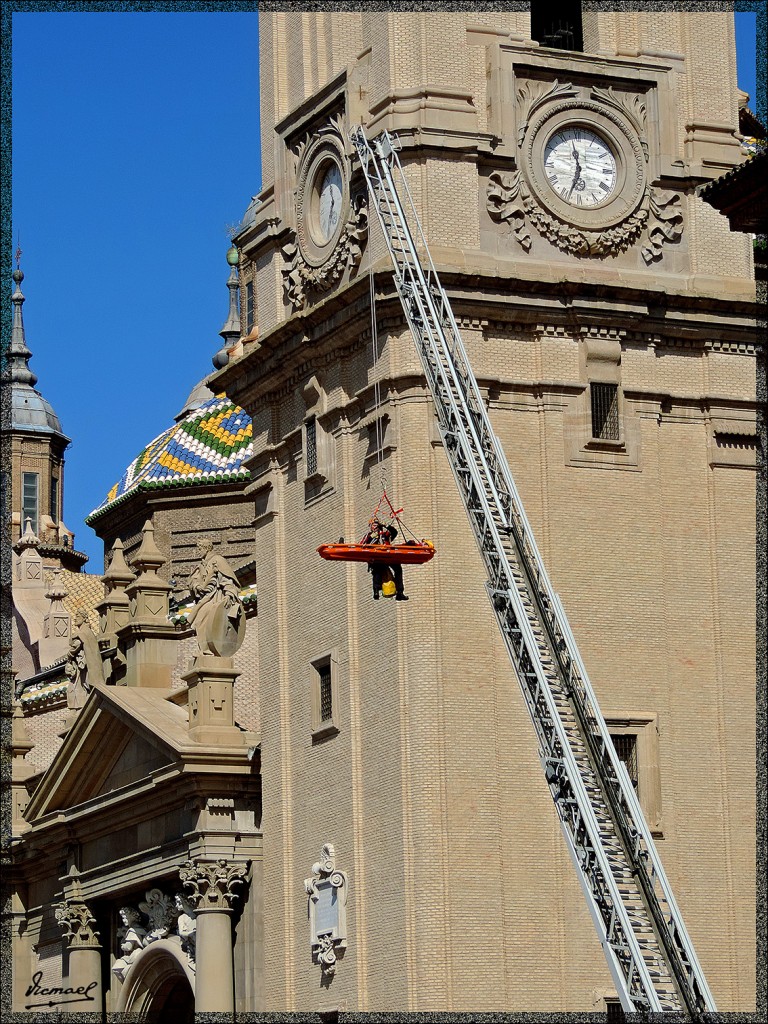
{"type": "Point", "coordinates": [299, 277]}
{"type": "Point", "coordinates": [639, 212]}
{"type": "Point", "coordinates": [77, 921]}
{"type": "Point", "coordinates": [315, 262]}
{"type": "Point", "coordinates": [158, 916]}
{"type": "Point", "coordinates": [327, 891]}
{"type": "Point", "coordinates": [213, 885]}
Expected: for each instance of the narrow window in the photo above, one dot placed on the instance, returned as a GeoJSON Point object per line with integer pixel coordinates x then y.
{"type": "Point", "coordinates": [310, 430]}
{"type": "Point", "coordinates": [613, 1011]}
{"type": "Point", "coordinates": [324, 699]}
{"type": "Point", "coordinates": [557, 23]}
{"type": "Point", "coordinates": [605, 411]}
{"type": "Point", "coordinates": [626, 748]}
{"type": "Point", "coordinates": [29, 499]}
{"type": "Point", "coordinates": [326, 694]}
{"type": "Point", "coordinates": [249, 306]}
{"type": "Point", "coordinates": [54, 499]}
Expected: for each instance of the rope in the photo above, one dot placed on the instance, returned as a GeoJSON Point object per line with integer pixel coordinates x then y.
{"type": "Point", "coordinates": [377, 388]}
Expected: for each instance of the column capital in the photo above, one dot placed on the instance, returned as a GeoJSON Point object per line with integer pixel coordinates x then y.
{"type": "Point", "coordinates": [211, 884]}
{"type": "Point", "coordinates": [77, 921]}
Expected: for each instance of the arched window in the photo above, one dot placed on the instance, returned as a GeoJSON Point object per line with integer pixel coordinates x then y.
{"type": "Point", "coordinates": [557, 23]}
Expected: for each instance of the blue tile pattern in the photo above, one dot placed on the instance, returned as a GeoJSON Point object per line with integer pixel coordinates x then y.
{"type": "Point", "coordinates": [210, 445]}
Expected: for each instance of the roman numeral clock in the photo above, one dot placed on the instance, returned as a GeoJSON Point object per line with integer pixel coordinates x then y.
{"type": "Point", "coordinates": [582, 179]}
{"type": "Point", "coordinates": [586, 169]}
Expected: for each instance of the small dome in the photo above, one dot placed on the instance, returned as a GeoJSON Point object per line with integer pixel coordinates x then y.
{"type": "Point", "coordinates": [210, 445]}
{"type": "Point", "coordinates": [30, 411]}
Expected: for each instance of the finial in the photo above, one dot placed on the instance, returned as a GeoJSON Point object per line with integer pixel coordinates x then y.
{"type": "Point", "coordinates": [148, 558]}
{"type": "Point", "coordinates": [18, 353]}
{"type": "Point", "coordinates": [230, 332]}
{"type": "Point", "coordinates": [118, 572]}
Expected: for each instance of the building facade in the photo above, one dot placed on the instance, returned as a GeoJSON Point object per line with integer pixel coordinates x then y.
{"type": "Point", "coordinates": [388, 761]}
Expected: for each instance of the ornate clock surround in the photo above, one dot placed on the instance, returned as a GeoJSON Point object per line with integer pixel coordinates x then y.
{"type": "Point", "coordinates": [316, 261]}
{"type": "Point", "coordinates": [625, 147]}
{"type": "Point", "coordinates": [322, 153]}
{"type": "Point", "coordinates": [530, 99]}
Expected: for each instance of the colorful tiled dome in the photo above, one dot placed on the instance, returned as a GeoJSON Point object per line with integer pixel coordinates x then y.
{"type": "Point", "coordinates": [209, 445]}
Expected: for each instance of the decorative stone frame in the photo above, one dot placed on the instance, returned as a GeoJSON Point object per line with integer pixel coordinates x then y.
{"type": "Point", "coordinates": [324, 151]}
{"type": "Point", "coordinates": [319, 481]}
{"type": "Point", "coordinates": [154, 970]}
{"type": "Point", "coordinates": [644, 726]}
{"type": "Point", "coordinates": [327, 910]}
{"type": "Point", "coordinates": [623, 143]}
{"type": "Point", "coordinates": [323, 729]}
{"type": "Point", "coordinates": [600, 363]}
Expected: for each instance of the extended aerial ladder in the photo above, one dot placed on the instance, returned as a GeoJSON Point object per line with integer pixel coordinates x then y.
{"type": "Point", "coordinates": [649, 953]}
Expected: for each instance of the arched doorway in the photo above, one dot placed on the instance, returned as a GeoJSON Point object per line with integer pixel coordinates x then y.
{"type": "Point", "coordinates": [160, 986]}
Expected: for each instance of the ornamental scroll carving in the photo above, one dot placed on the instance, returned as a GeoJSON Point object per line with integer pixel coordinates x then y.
{"type": "Point", "coordinates": [531, 95]}
{"type": "Point", "coordinates": [327, 911]}
{"type": "Point", "coordinates": [77, 921]}
{"type": "Point", "coordinates": [299, 277]}
{"type": "Point", "coordinates": [509, 201]}
{"type": "Point", "coordinates": [666, 224]}
{"type": "Point", "coordinates": [158, 916]}
{"type": "Point", "coordinates": [213, 885]}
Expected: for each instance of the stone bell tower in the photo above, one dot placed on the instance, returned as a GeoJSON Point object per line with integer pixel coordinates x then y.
{"type": "Point", "coordinates": [609, 317]}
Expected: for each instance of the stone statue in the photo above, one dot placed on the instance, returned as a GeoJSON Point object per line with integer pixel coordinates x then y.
{"type": "Point", "coordinates": [186, 925]}
{"type": "Point", "coordinates": [132, 936]}
{"type": "Point", "coordinates": [218, 618]}
{"type": "Point", "coordinates": [84, 665]}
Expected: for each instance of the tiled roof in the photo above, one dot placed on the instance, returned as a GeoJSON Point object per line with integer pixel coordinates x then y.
{"type": "Point", "coordinates": [84, 590]}
{"type": "Point", "coordinates": [208, 446]}
{"type": "Point", "coordinates": [44, 696]}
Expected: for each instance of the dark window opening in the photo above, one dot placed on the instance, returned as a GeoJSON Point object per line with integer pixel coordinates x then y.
{"type": "Point", "coordinates": [605, 411]}
{"type": "Point", "coordinates": [29, 506]}
{"type": "Point", "coordinates": [557, 24]}
{"type": "Point", "coordinates": [311, 439]}
{"type": "Point", "coordinates": [326, 693]}
{"type": "Point", "coordinates": [626, 748]}
{"type": "Point", "coordinates": [55, 499]}
{"type": "Point", "coordinates": [249, 306]}
{"type": "Point", "coordinates": [614, 1012]}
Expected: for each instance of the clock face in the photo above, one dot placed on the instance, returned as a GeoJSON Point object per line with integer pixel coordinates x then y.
{"type": "Point", "coordinates": [329, 209]}
{"type": "Point", "coordinates": [580, 166]}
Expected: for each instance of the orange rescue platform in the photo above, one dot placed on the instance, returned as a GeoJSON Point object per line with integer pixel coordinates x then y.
{"type": "Point", "coordinates": [412, 553]}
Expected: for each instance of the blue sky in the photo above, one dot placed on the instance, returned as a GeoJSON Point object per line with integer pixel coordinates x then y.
{"type": "Point", "coordinates": [135, 148]}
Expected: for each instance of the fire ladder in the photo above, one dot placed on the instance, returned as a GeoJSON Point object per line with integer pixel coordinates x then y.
{"type": "Point", "coordinates": [649, 953]}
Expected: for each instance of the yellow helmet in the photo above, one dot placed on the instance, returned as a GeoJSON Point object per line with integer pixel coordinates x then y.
{"type": "Point", "coordinates": [388, 588]}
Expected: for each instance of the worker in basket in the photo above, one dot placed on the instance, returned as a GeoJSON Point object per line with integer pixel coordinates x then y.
{"type": "Point", "coordinates": [387, 576]}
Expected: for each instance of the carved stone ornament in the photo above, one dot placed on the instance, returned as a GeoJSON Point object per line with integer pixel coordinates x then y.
{"type": "Point", "coordinates": [327, 891]}
{"type": "Point", "coordinates": [77, 921]}
{"type": "Point", "coordinates": [532, 95]}
{"type": "Point", "coordinates": [161, 916]}
{"type": "Point", "coordinates": [666, 223]}
{"type": "Point", "coordinates": [632, 210]}
{"type": "Point", "coordinates": [331, 224]}
{"type": "Point", "coordinates": [218, 617]}
{"type": "Point", "coordinates": [212, 884]}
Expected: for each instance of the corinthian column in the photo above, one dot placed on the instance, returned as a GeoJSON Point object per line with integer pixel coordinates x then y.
{"type": "Point", "coordinates": [84, 977]}
{"type": "Point", "coordinates": [211, 886]}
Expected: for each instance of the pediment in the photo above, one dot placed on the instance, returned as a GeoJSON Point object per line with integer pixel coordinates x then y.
{"type": "Point", "coordinates": [117, 739]}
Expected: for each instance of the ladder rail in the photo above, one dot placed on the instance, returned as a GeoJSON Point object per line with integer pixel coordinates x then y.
{"type": "Point", "coordinates": [675, 923]}
{"type": "Point", "coordinates": [434, 316]}
{"type": "Point", "coordinates": [608, 905]}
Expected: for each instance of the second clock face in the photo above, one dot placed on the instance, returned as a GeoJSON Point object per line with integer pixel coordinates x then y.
{"type": "Point", "coordinates": [580, 167]}
{"type": "Point", "coordinates": [330, 202]}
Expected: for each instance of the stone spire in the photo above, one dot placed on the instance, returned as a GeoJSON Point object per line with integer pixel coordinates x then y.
{"type": "Point", "coordinates": [230, 332]}
{"type": "Point", "coordinates": [18, 353]}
